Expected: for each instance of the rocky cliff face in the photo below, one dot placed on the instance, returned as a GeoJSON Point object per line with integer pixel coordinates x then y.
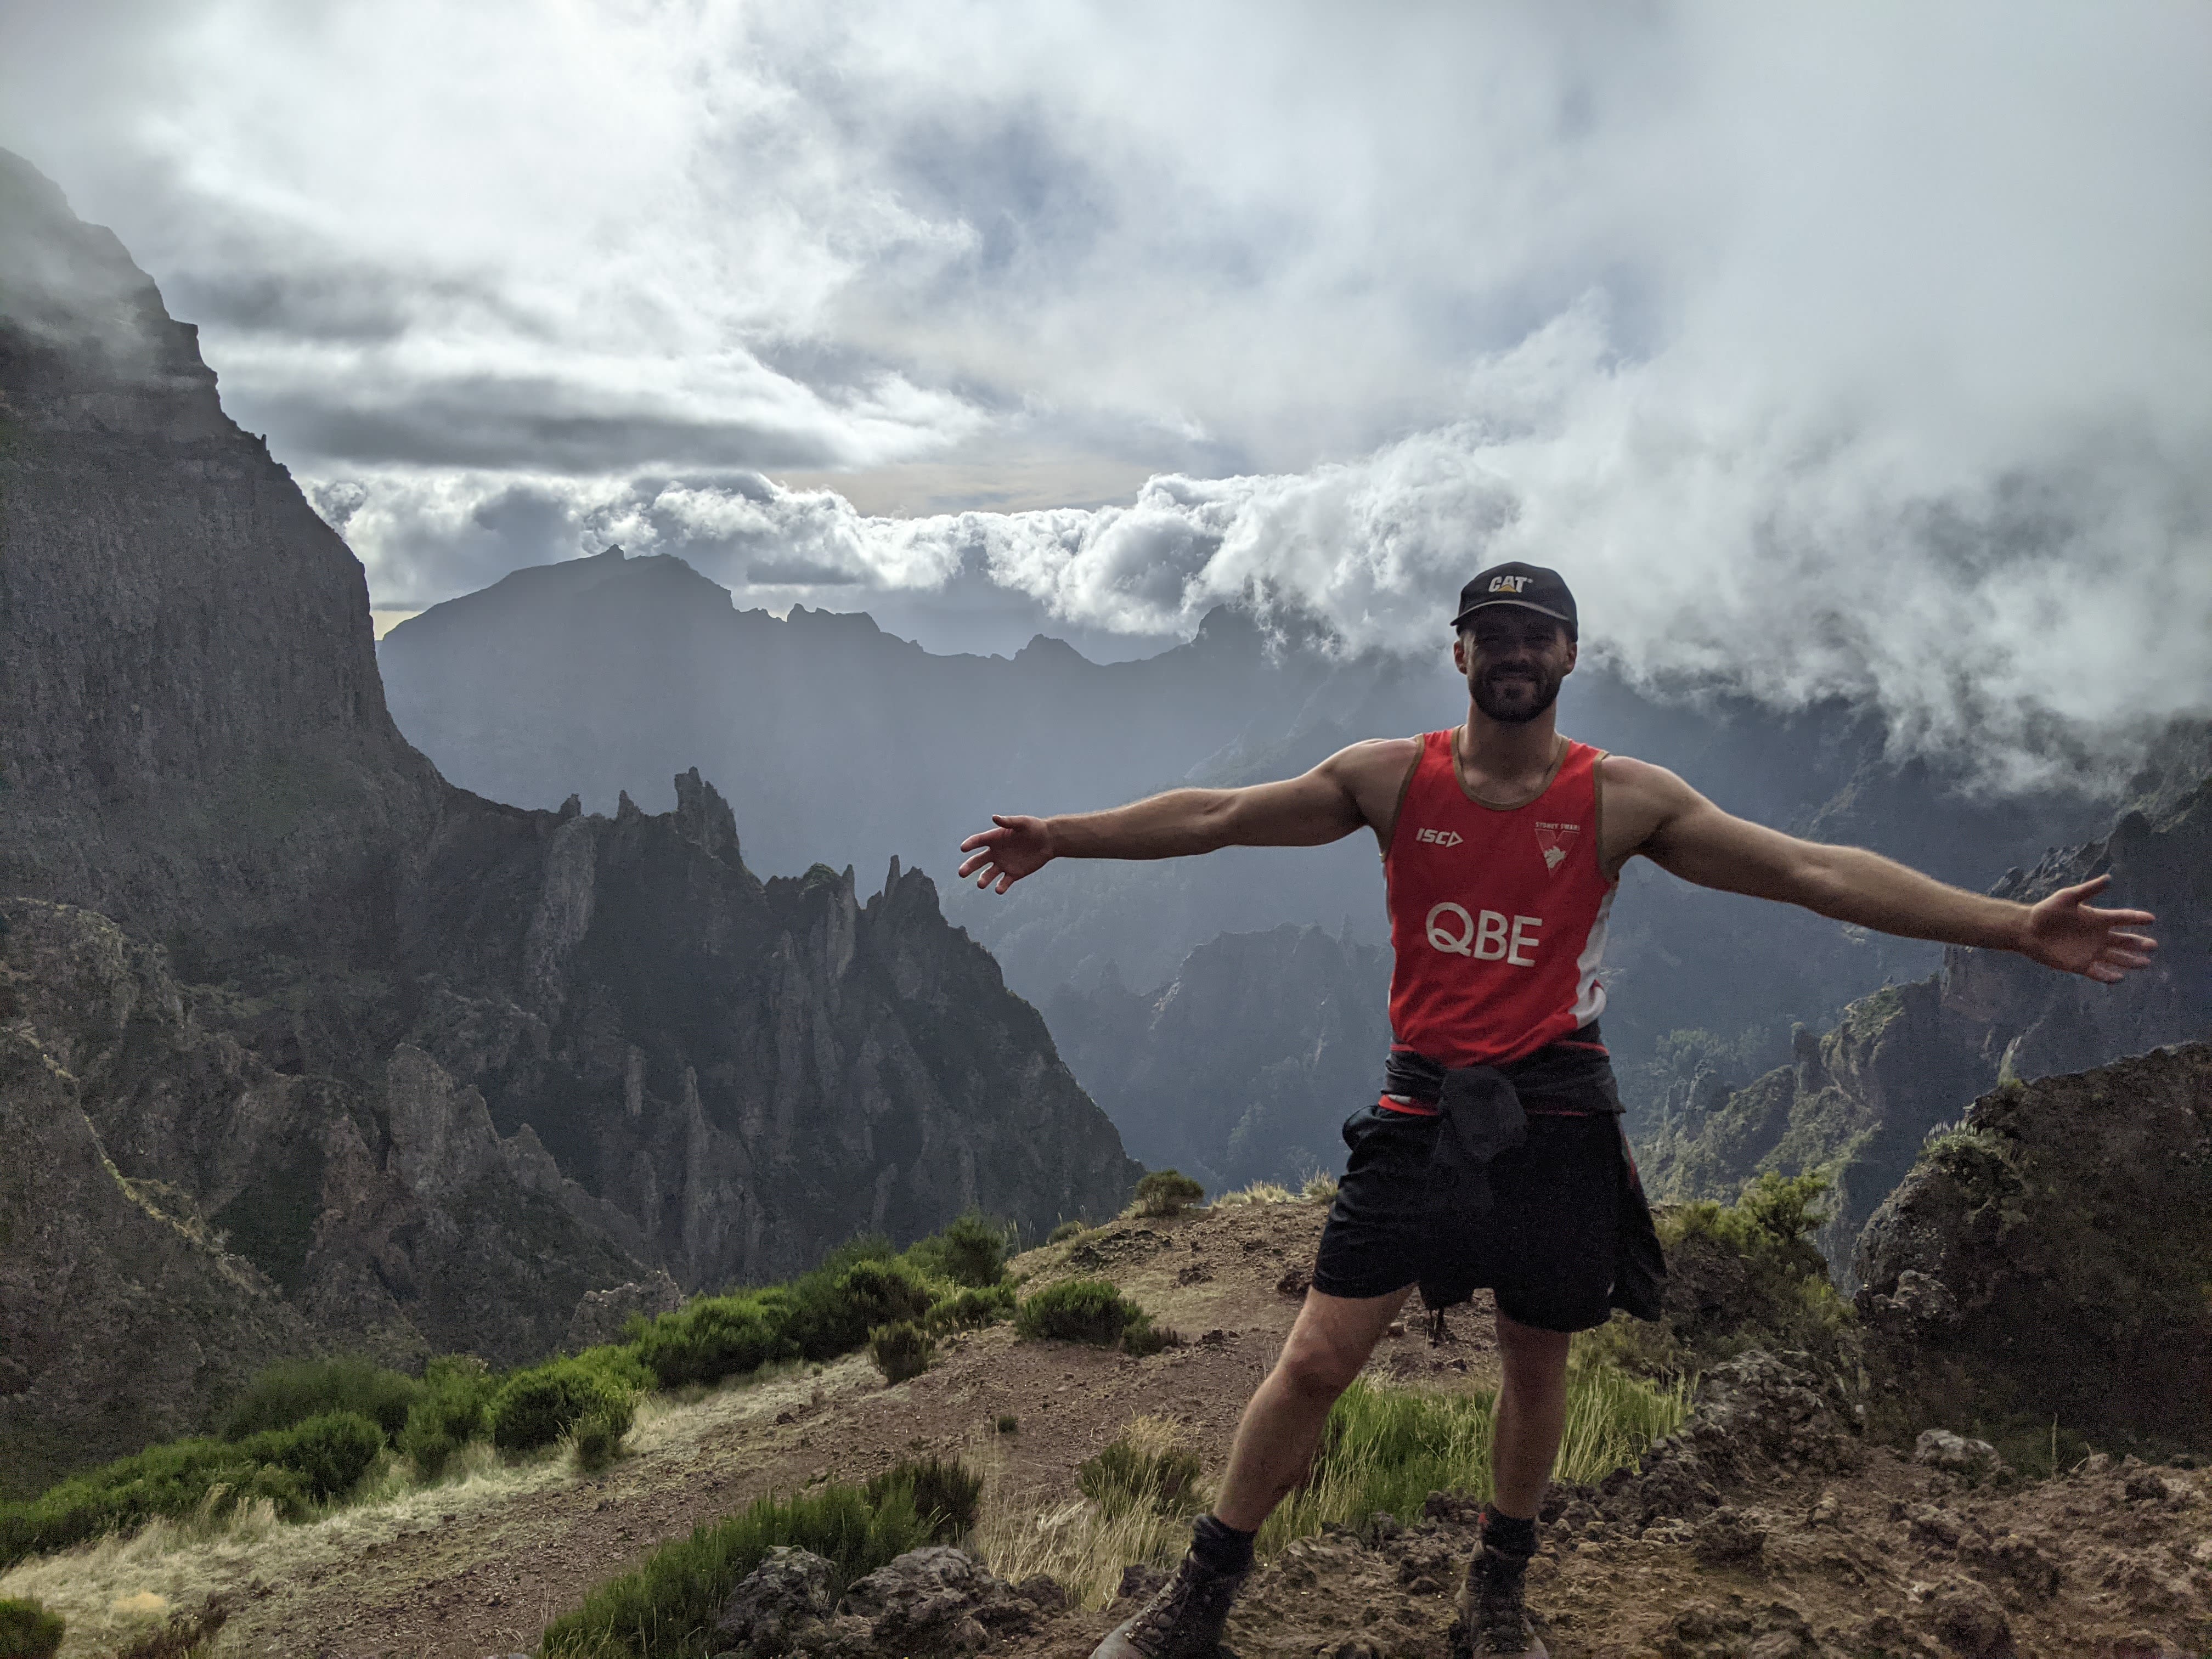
{"type": "Point", "coordinates": [1859, 1101]}
{"type": "Point", "coordinates": [196, 739]}
{"type": "Point", "coordinates": [2045, 1263]}
{"type": "Point", "coordinates": [749, 1070]}
{"type": "Point", "coordinates": [170, 1195]}
{"type": "Point", "coordinates": [310, 1047]}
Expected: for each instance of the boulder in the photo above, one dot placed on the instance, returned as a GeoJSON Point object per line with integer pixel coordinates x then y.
{"type": "Point", "coordinates": [784, 1598]}
{"type": "Point", "coordinates": [936, 1599]}
{"type": "Point", "coordinates": [2044, 1260]}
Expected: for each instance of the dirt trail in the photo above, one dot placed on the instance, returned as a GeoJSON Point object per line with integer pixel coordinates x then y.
{"type": "Point", "coordinates": [465, 1582]}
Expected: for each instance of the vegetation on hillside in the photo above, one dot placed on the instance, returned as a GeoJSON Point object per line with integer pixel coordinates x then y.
{"type": "Point", "coordinates": [1739, 1276]}
{"type": "Point", "coordinates": [306, 1432]}
{"type": "Point", "coordinates": [1091, 1310]}
{"type": "Point", "coordinates": [666, 1608]}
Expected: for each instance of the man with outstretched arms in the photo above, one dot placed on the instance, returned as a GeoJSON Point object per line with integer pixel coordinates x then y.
{"type": "Point", "coordinates": [1494, 1156]}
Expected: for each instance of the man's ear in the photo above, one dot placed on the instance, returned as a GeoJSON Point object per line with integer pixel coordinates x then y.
{"type": "Point", "coordinates": [1573, 645]}
{"type": "Point", "coordinates": [1459, 653]}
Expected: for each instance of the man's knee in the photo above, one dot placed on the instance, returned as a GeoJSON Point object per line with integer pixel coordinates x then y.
{"type": "Point", "coordinates": [1534, 1361]}
{"type": "Point", "coordinates": [1317, 1368]}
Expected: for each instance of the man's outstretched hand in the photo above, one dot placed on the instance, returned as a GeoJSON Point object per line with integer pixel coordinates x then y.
{"type": "Point", "coordinates": [1015, 848]}
{"type": "Point", "coordinates": [2063, 932]}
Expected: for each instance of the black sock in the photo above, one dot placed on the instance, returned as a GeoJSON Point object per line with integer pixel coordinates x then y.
{"type": "Point", "coordinates": [1219, 1546]}
{"type": "Point", "coordinates": [1508, 1535]}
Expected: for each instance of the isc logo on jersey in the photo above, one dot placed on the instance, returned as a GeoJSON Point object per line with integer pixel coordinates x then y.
{"type": "Point", "coordinates": [1439, 837]}
{"type": "Point", "coordinates": [1484, 936]}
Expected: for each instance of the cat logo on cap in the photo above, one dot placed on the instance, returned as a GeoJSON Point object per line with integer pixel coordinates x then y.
{"type": "Point", "coordinates": [1508, 584]}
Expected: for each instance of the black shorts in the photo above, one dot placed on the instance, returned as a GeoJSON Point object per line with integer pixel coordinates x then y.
{"type": "Point", "coordinates": [1548, 1245]}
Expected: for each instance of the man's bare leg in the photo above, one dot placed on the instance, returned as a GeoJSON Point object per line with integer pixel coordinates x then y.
{"type": "Point", "coordinates": [1531, 1415]}
{"type": "Point", "coordinates": [1275, 1442]}
{"type": "Point", "coordinates": [1282, 1424]}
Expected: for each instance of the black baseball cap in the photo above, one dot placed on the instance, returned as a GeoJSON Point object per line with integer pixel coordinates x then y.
{"type": "Point", "coordinates": [1528, 586]}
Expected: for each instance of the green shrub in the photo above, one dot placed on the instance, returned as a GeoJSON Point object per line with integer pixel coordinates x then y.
{"type": "Point", "coordinates": [1065, 1230]}
{"type": "Point", "coordinates": [713, 1338]}
{"type": "Point", "coordinates": [536, 1407]}
{"type": "Point", "coordinates": [971, 1251]}
{"type": "Point", "coordinates": [1740, 1276]}
{"type": "Point", "coordinates": [597, 1439]}
{"type": "Point", "coordinates": [830, 1311]}
{"type": "Point", "coordinates": [1008, 1423]}
{"type": "Point", "coordinates": [1091, 1310]}
{"type": "Point", "coordinates": [28, 1630]}
{"type": "Point", "coordinates": [901, 1351]}
{"type": "Point", "coordinates": [1075, 1310]}
{"type": "Point", "coordinates": [450, 1412]}
{"type": "Point", "coordinates": [329, 1454]}
{"type": "Point", "coordinates": [291, 1391]}
{"type": "Point", "coordinates": [968, 1308]}
{"type": "Point", "coordinates": [1127, 1475]}
{"type": "Point", "coordinates": [665, 1609]}
{"type": "Point", "coordinates": [1167, 1191]}
{"type": "Point", "coordinates": [944, 1492]}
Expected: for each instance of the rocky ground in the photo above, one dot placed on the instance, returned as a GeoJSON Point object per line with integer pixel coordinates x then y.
{"type": "Point", "coordinates": [1765, 1527]}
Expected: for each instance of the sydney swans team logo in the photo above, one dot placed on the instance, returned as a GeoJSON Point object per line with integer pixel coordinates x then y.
{"type": "Point", "coordinates": [1554, 841]}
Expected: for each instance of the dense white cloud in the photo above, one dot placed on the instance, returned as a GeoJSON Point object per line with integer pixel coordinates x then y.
{"type": "Point", "coordinates": [1862, 349]}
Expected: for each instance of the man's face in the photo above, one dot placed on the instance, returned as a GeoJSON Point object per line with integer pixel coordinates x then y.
{"type": "Point", "coordinates": [1514, 660]}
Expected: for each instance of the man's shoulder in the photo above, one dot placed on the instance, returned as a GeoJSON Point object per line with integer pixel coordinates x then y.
{"type": "Point", "coordinates": [1391, 755]}
{"type": "Point", "coordinates": [1626, 771]}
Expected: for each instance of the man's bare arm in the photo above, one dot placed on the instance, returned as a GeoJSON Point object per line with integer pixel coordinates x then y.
{"type": "Point", "coordinates": [1684, 833]}
{"type": "Point", "coordinates": [1325, 804]}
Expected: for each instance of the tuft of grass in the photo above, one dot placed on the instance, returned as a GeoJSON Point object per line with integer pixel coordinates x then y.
{"type": "Point", "coordinates": [1260, 1192]}
{"type": "Point", "coordinates": [1147, 1466]}
{"type": "Point", "coordinates": [1320, 1188]}
{"type": "Point", "coordinates": [1008, 1423]}
{"type": "Point", "coordinates": [1167, 1192]}
{"type": "Point", "coordinates": [945, 1492]}
{"type": "Point", "coordinates": [1082, 1542]}
{"type": "Point", "coordinates": [185, 1635]}
{"type": "Point", "coordinates": [597, 1439]}
{"type": "Point", "coordinates": [1065, 1230]}
{"type": "Point", "coordinates": [1388, 1448]}
{"type": "Point", "coordinates": [28, 1630]}
{"type": "Point", "coordinates": [667, 1609]}
{"type": "Point", "coordinates": [901, 1351]}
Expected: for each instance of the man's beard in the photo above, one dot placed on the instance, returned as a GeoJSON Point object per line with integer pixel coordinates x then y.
{"type": "Point", "coordinates": [1517, 712]}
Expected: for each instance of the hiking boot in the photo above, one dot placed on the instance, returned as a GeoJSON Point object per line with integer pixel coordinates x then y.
{"type": "Point", "coordinates": [1493, 1616]}
{"type": "Point", "coordinates": [1182, 1620]}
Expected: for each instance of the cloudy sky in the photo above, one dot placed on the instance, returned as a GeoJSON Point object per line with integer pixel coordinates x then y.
{"type": "Point", "coordinates": [1854, 348]}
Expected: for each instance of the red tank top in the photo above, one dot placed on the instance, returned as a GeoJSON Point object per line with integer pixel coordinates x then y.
{"type": "Point", "coordinates": [1497, 916]}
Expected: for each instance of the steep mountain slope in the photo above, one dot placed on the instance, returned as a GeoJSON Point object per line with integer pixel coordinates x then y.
{"type": "Point", "coordinates": [1859, 1101]}
{"type": "Point", "coordinates": [1243, 1067]}
{"type": "Point", "coordinates": [196, 740]}
{"type": "Point", "coordinates": [355, 1058]}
